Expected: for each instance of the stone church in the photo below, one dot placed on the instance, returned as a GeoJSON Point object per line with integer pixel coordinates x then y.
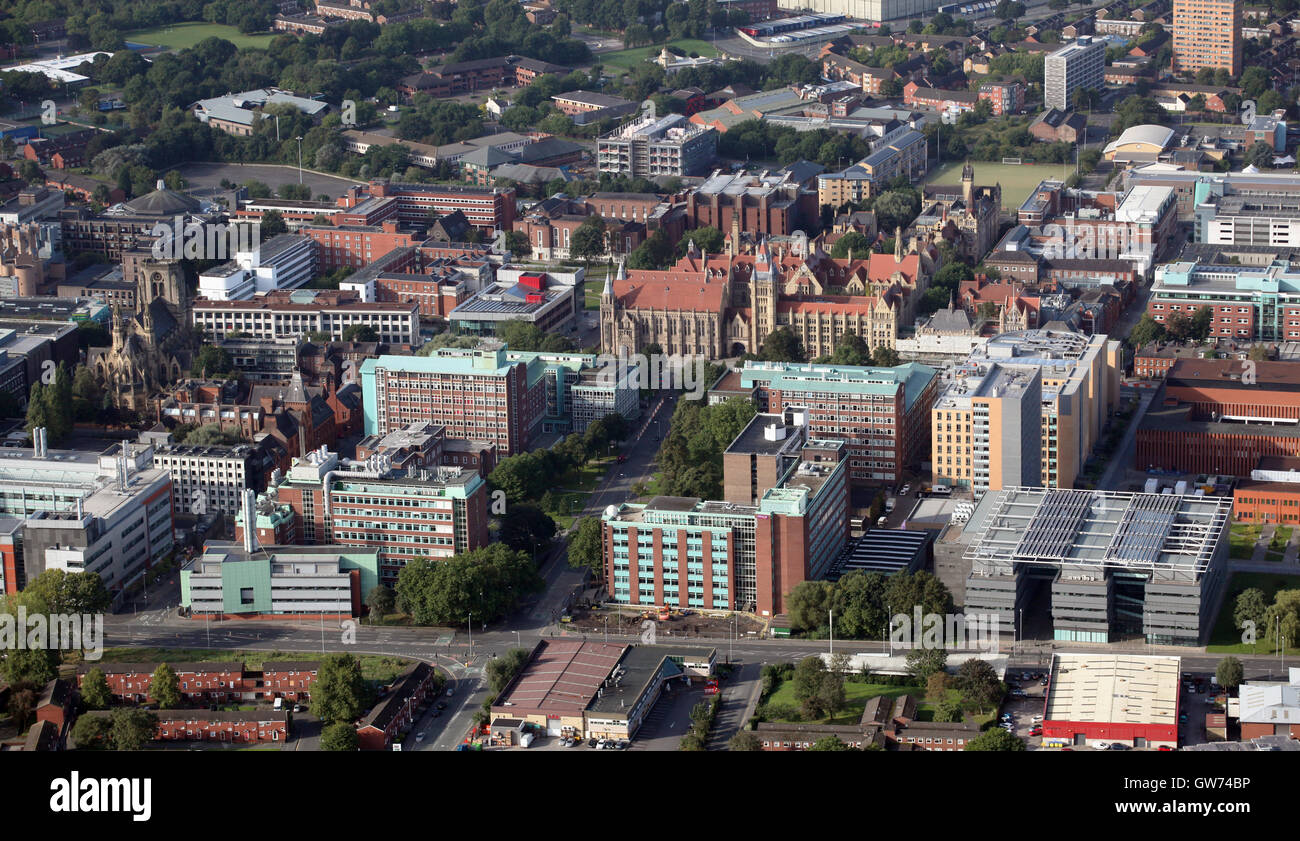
{"type": "Point", "coordinates": [153, 346]}
{"type": "Point", "coordinates": [725, 305]}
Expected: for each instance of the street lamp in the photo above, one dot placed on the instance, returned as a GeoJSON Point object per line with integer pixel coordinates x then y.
{"type": "Point", "coordinates": [299, 139]}
{"type": "Point", "coordinates": [469, 623]}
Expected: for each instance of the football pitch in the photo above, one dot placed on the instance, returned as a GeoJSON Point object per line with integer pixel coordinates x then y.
{"type": "Point", "coordinates": [179, 36]}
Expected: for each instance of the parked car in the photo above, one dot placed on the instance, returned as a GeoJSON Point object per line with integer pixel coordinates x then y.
{"type": "Point", "coordinates": [1037, 731]}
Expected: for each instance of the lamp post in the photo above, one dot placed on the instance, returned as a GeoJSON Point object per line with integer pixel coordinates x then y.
{"type": "Point", "coordinates": [299, 139]}
{"type": "Point", "coordinates": [469, 623]}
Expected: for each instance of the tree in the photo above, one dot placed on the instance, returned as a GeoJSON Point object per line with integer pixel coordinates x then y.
{"type": "Point", "coordinates": [782, 345]}
{"type": "Point", "coordinates": [338, 695]}
{"type": "Point", "coordinates": [37, 666]}
{"type": "Point", "coordinates": [339, 736]}
{"type": "Point", "coordinates": [22, 704]}
{"type": "Point", "coordinates": [381, 600]}
{"type": "Point", "coordinates": [585, 546]}
{"type": "Point", "coordinates": [518, 245]}
{"type": "Point", "coordinates": [1229, 673]}
{"type": "Point", "coordinates": [851, 241]}
{"type": "Point", "coordinates": [708, 240]}
{"type": "Point", "coordinates": [979, 683]}
{"type": "Point", "coordinates": [501, 670]}
{"type": "Point", "coordinates": [1258, 353]}
{"type": "Point", "coordinates": [1178, 327]}
{"type": "Point", "coordinates": [211, 359]}
{"type": "Point", "coordinates": [653, 254]}
{"type": "Point", "coordinates": [884, 357]}
{"type": "Point", "coordinates": [1202, 321]}
{"type": "Point", "coordinates": [996, 739]}
{"type": "Point", "coordinates": [1147, 330]}
{"type": "Point", "coordinates": [744, 740]}
{"type": "Point", "coordinates": [165, 687]}
{"type": "Point", "coordinates": [850, 350]}
{"type": "Point", "coordinates": [92, 732]}
{"type": "Point", "coordinates": [272, 224]}
{"type": "Point", "coordinates": [936, 687]}
{"type": "Point", "coordinates": [487, 583]}
{"type": "Point", "coordinates": [588, 239]}
{"type": "Point", "coordinates": [820, 691]}
{"type": "Point", "coordinates": [132, 728]}
{"type": "Point", "coordinates": [527, 528]}
{"type": "Point", "coordinates": [949, 710]}
{"type": "Point", "coordinates": [360, 333]}
{"type": "Point", "coordinates": [692, 741]}
{"type": "Point", "coordinates": [1250, 606]}
{"type": "Point", "coordinates": [830, 743]}
{"type": "Point", "coordinates": [95, 693]}
{"type": "Point", "coordinates": [924, 662]}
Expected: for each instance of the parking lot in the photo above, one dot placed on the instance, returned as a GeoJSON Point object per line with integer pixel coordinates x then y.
{"type": "Point", "coordinates": [1026, 699]}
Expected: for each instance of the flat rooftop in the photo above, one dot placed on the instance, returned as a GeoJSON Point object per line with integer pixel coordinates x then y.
{"type": "Point", "coordinates": [1113, 689]}
{"type": "Point", "coordinates": [1067, 528]}
{"type": "Point", "coordinates": [767, 435]}
{"type": "Point", "coordinates": [634, 672]}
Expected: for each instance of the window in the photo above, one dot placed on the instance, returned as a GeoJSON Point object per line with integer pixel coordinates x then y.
{"type": "Point", "coordinates": [245, 595]}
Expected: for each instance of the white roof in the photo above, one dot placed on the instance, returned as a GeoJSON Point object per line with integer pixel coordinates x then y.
{"type": "Point", "coordinates": [1152, 135]}
{"type": "Point", "coordinates": [1276, 703]}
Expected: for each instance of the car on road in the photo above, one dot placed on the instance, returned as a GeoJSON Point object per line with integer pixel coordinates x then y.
{"type": "Point", "coordinates": [622, 459]}
{"type": "Point", "coordinates": [907, 489]}
{"type": "Point", "coordinates": [419, 737]}
{"type": "Point", "coordinates": [435, 714]}
{"type": "Point", "coordinates": [451, 691]}
{"type": "Point", "coordinates": [442, 705]}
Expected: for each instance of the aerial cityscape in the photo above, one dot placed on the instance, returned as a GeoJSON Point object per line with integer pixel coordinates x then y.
{"type": "Point", "coordinates": [649, 375]}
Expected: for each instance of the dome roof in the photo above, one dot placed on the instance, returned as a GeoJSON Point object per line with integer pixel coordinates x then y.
{"type": "Point", "coordinates": [163, 202]}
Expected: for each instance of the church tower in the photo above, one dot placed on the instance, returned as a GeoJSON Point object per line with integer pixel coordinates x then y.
{"type": "Point", "coordinates": [968, 185]}
{"type": "Point", "coordinates": [763, 286]}
{"type": "Point", "coordinates": [609, 310]}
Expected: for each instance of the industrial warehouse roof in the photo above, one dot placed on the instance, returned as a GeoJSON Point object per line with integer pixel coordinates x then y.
{"type": "Point", "coordinates": [1113, 689]}
{"type": "Point", "coordinates": [1134, 531]}
{"type": "Point", "coordinates": [562, 678]}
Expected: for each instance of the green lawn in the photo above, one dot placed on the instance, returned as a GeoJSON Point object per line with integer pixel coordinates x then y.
{"type": "Point", "coordinates": [855, 694]}
{"type": "Point", "coordinates": [591, 290]}
{"type": "Point", "coordinates": [1241, 541]}
{"type": "Point", "coordinates": [585, 477]}
{"type": "Point", "coordinates": [570, 507]}
{"type": "Point", "coordinates": [1017, 181]}
{"type": "Point", "coordinates": [1280, 539]}
{"type": "Point", "coordinates": [178, 36]}
{"type": "Point", "coordinates": [627, 59]}
{"type": "Point", "coordinates": [1226, 639]}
